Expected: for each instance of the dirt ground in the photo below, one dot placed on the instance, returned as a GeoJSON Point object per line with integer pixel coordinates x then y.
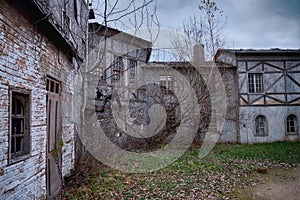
{"type": "Point", "coordinates": [276, 184]}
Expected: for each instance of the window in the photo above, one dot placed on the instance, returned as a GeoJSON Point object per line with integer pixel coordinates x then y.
{"type": "Point", "coordinates": [53, 86]}
{"type": "Point", "coordinates": [75, 10]}
{"type": "Point", "coordinates": [19, 138]}
{"type": "Point", "coordinates": [141, 94]}
{"type": "Point", "coordinates": [260, 126]}
{"type": "Point", "coordinates": [83, 47]}
{"type": "Point", "coordinates": [66, 24]}
{"type": "Point", "coordinates": [116, 69]}
{"type": "Point", "coordinates": [291, 124]}
{"type": "Point", "coordinates": [167, 83]}
{"type": "Point", "coordinates": [132, 68]}
{"type": "Point", "coordinates": [255, 83]}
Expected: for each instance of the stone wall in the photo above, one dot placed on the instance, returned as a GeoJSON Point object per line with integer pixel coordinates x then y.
{"type": "Point", "coordinates": [26, 59]}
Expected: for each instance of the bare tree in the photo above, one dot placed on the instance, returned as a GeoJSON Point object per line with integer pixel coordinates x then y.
{"type": "Point", "coordinates": [193, 30]}
{"type": "Point", "coordinates": [125, 14]}
{"type": "Point", "coordinates": [205, 28]}
{"type": "Point", "coordinates": [215, 22]}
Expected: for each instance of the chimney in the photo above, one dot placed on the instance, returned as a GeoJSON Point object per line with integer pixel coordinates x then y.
{"type": "Point", "coordinates": [198, 54]}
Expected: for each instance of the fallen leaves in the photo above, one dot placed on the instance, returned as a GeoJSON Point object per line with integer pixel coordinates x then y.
{"type": "Point", "coordinates": [214, 177]}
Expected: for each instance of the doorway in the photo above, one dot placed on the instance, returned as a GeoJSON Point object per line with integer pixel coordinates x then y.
{"type": "Point", "coordinates": [54, 138]}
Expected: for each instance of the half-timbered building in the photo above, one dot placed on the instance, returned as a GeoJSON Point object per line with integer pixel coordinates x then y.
{"type": "Point", "coordinates": [267, 91]}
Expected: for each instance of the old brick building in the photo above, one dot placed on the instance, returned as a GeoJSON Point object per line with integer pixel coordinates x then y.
{"type": "Point", "coordinates": [41, 46]}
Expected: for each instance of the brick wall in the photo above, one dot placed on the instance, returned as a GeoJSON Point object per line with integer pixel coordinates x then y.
{"type": "Point", "coordinates": [26, 58]}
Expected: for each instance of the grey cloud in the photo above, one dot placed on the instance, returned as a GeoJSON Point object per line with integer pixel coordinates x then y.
{"type": "Point", "coordinates": [251, 23]}
{"type": "Point", "coordinates": [263, 24]}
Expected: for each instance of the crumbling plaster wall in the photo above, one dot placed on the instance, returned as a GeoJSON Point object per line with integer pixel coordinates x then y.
{"type": "Point", "coordinates": [276, 123]}
{"type": "Point", "coordinates": [231, 123]}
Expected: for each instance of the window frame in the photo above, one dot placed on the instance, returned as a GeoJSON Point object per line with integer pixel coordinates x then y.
{"type": "Point", "coordinates": [265, 133]}
{"type": "Point", "coordinates": [258, 87]}
{"type": "Point", "coordinates": [141, 94]}
{"type": "Point", "coordinates": [132, 67]}
{"type": "Point", "coordinates": [25, 97]}
{"type": "Point", "coordinates": [117, 69]}
{"type": "Point", "coordinates": [66, 23]}
{"type": "Point", "coordinates": [75, 7]}
{"type": "Point", "coordinates": [295, 125]}
{"type": "Point", "coordinates": [167, 81]}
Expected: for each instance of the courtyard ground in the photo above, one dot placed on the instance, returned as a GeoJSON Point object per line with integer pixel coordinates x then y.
{"type": "Point", "coordinates": [277, 184]}
{"type": "Point", "coordinates": [230, 171]}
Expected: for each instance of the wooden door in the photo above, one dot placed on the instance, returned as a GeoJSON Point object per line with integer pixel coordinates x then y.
{"type": "Point", "coordinates": [54, 139]}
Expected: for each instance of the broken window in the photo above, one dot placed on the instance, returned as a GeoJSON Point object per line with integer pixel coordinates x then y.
{"type": "Point", "coordinates": [291, 124]}
{"type": "Point", "coordinates": [19, 138]}
{"type": "Point", "coordinates": [260, 125]}
{"type": "Point", "coordinates": [255, 83]}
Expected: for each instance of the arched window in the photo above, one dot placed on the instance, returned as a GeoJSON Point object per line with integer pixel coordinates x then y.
{"type": "Point", "coordinates": [261, 126]}
{"type": "Point", "coordinates": [291, 124]}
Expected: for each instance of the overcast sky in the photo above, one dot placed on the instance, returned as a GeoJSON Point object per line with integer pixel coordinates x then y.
{"type": "Point", "coordinates": [250, 23]}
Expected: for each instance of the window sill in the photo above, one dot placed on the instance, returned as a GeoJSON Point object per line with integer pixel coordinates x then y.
{"type": "Point", "coordinates": [258, 93]}
{"type": "Point", "coordinates": [18, 159]}
{"type": "Point", "coordinates": [255, 135]}
{"type": "Point", "coordinates": [292, 134]}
